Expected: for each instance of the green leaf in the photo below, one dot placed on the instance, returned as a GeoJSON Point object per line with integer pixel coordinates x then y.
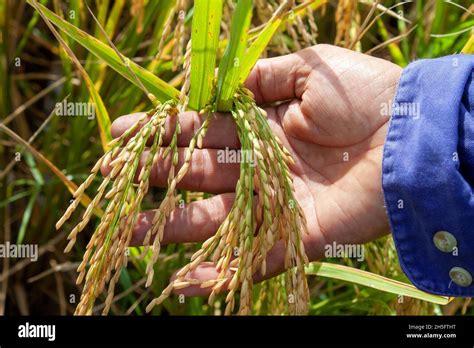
{"type": "Point", "coordinates": [393, 47]}
{"type": "Point", "coordinates": [39, 181]}
{"type": "Point", "coordinates": [101, 111]}
{"type": "Point", "coordinates": [257, 47]}
{"type": "Point", "coordinates": [265, 34]}
{"type": "Point", "coordinates": [205, 39]}
{"type": "Point", "coordinates": [161, 90]}
{"type": "Point", "coordinates": [230, 65]}
{"type": "Point", "coordinates": [12, 198]}
{"type": "Point", "coordinates": [469, 47]}
{"type": "Point", "coordinates": [114, 17]}
{"type": "Point", "coordinates": [27, 32]}
{"type": "Point", "coordinates": [375, 281]}
{"type": "Point", "coordinates": [25, 220]}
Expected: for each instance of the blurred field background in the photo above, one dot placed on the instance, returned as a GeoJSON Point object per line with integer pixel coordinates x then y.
{"type": "Point", "coordinates": [35, 74]}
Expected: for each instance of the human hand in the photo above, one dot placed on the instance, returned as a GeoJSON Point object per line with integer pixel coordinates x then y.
{"type": "Point", "coordinates": [329, 117]}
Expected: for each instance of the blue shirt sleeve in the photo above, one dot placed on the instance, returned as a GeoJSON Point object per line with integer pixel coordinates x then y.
{"type": "Point", "coordinates": [428, 174]}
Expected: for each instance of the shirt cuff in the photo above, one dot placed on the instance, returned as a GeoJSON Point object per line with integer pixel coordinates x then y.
{"type": "Point", "coordinates": [428, 174]}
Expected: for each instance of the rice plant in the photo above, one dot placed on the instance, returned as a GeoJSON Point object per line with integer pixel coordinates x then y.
{"type": "Point", "coordinates": [206, 49]}
{"type": "Point", "coordinates": [281, 217]}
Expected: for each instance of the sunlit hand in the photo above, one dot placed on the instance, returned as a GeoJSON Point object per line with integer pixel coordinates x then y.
{"type": "Point", "coordinates": [329, 117]}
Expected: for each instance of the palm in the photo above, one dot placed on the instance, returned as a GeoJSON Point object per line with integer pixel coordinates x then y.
{"type": "Point", "coordinates": [330, 120]}
{"type": "Point", "coordinates": [336, 136]}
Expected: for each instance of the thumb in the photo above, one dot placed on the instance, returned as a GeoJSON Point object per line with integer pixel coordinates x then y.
{"type": "Point", "coordinates": [275, 79]}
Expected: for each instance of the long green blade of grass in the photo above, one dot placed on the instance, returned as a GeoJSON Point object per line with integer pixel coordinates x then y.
{"type": "Point", "coordinates": [13, 198]}
{"type": "Point", "coordinates": [29, 29]}
{"type": "Point", "coordinates": [353, 275]}
{"type": "Point", "coordinates": [39, 182]}
{"type": "Point", "coordinates": [230, 65]}
{"type": "Point", "coordinates": [65, 62]}
{"type": "Point", "coordinates": [114, 16]}
{"type": "Point", "coordinates": [393, 47]}
{"type": "Point", "coordinates": [101, 111]}
{"type": "Point", "coordinates": [257, 47]}
{"type": "Point", "coordinates": [162, 90]}
{"type": "Point", "coordinates": [25, 220]}
{"type": "Point", "coordinates": [205, 40]}
{"type": "Point", "coordinates": [469, 47]}
{"type": "Point", "coordinates": [261, 42]}
{"type": "Point", "coordinates": [265, 34]}
{"type": "Point", "coordinates": [98, 71]}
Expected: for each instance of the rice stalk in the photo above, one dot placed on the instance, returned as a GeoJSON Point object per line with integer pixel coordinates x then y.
{"type": "Point", "coordinates": [106, 250]}
{"type": "Point", "coordinates": [238, 244]}
{"type": "Point", "coordinates": [238, 247]}
{"type": "Point", "coordinates": [241, 244]}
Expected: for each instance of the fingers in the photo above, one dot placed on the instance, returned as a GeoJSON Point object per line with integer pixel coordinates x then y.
{"type": "Point", "coordinates": [207, 172]}
{"type": "Point", "coordinates": [221, 133]}
{"type": "Point", "coordinates": [207, 271]}
{"type": "Point", "coordinates": [196, 222]}
{"type": "Point", "coordinates": [278, 79]}
{"type": "Point", "coordinates": [275, 265]}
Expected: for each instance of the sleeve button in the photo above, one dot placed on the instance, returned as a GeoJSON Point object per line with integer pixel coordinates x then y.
{"type": "Point", "coordinates": [445, 241]}
{"type": "Point", "coordinates": [460, 276]}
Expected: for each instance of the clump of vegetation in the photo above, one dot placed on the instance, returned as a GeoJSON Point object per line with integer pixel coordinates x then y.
{"type": "Point", "coordinates": [238, 243]}
{"type": "Point", "coordinates": [180, 44]}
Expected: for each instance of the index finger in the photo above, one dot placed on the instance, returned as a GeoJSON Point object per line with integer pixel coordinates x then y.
{"type": "Point", "coordinates": [221, 133]}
